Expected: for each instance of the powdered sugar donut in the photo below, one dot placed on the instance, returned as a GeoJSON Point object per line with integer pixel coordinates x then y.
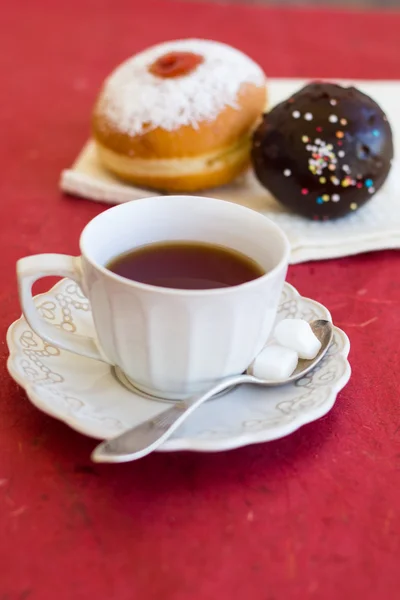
{"type": "Point", "coordinates": [179, 116]}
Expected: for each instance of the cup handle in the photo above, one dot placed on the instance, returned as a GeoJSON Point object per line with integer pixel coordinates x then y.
{"type": "Point", "coordinates": [32, 268]}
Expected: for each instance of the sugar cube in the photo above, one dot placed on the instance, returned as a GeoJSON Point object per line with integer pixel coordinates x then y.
{"type": "Point", "coordinates": [274, 363]}
{"type": "Point", "coordinates": [298, 335]}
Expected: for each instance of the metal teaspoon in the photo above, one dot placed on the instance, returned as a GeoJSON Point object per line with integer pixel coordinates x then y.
{"type": "Point", "coordinates": [149, 435]}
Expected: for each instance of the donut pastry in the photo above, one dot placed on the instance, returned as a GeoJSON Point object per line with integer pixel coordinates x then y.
{"type": "Point", "coordinates": [324, 152]}
{"type": "Point", "coordinates": [179, 116]}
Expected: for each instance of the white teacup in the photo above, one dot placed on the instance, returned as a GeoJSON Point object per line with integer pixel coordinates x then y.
{"type": "Point", "coordinates": [168, 342]}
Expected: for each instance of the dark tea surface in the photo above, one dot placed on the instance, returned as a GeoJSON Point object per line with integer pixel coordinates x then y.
{"type": "Point", "coordinates": [186, 265]}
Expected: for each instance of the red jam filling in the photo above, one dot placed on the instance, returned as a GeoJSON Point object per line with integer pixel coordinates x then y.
{"type": "Point", "coordinates": [175, 64]}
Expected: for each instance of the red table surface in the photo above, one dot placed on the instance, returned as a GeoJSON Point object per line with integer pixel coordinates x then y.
{"type": "Point", "coordinates": [314, 515]}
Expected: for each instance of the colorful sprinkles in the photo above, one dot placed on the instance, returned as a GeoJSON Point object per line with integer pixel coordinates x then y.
{"type": "Point", "coordinates": [324, 156]}
{"type": "Point", "coordinates": [347, 181]}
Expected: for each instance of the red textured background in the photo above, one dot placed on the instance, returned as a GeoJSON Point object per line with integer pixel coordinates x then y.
{"type": "Point", "coordinates": [315, 515]}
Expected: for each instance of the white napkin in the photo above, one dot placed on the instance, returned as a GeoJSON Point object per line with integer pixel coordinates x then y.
{"type": "Point", "coordinates": [374, 227]}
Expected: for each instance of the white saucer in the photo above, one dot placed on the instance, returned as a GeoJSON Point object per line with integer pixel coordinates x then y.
{"type": "Point", "coordinates": [87, 396]}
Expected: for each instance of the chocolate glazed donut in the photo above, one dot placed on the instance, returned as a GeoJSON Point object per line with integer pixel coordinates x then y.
{"type": "Point", "coordinates": [323, 152]}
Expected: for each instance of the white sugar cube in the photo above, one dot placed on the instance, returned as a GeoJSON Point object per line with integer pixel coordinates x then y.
{"type": "Point", "coordinates": [274, 363]}
{"type": "Point", "coordinates": [298, 335]}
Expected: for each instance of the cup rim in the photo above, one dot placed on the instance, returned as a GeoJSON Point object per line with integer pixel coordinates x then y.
{"type": "Point", "coordinates": [147, 287]}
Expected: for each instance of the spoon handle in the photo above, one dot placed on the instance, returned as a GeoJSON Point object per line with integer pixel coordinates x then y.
{"type": "Point", "coordinates": [146, 437]}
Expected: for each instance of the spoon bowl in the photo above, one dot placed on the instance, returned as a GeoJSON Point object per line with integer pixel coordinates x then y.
{"type": "Point", "coordinates": [323, 330]}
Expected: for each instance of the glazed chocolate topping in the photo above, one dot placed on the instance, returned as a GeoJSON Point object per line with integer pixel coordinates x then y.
{"type": "Point", "coordinates": [323, 152]}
